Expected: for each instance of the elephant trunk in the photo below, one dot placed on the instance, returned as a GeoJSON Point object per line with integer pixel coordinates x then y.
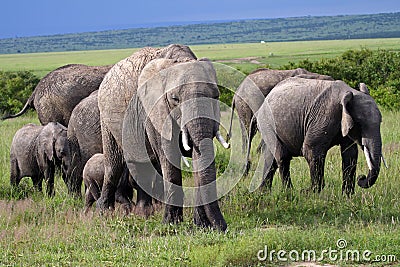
{"type": "Point", "coordinates": [207, 211]}
{"type": "Point", "coordinates": [373, 154]}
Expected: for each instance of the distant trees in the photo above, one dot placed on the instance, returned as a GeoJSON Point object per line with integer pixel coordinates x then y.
{"type": "Point", "coordinates": [243, 31]}
{"type": "Point", "coordinates": [379, 70]}
{"type": "Point", "coordinates": [15, 89]}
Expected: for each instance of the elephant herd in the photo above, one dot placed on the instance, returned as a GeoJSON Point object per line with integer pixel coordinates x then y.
{"type": "Point", "coordinates": [128, 126]}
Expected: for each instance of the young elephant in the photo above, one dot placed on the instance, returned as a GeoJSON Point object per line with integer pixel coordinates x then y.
{"type": "Point", "coordinates": [36, 151]}
{"type": "Point", "coordinates": [303, 117]}
{"type": "Point", "coordinates": [93, 177]}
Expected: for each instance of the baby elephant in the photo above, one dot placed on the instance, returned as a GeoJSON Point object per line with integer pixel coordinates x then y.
{"type": "Point", "coordinates": [35, 152]}
{"type": "Point", "coordinates": [93, 176]}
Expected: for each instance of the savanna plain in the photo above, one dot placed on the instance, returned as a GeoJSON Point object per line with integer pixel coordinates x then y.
{"type": "Point", "coordinates": [39, 231]}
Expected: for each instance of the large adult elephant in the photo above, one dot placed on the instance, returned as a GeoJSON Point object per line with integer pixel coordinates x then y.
{"type": "Point", "coordinates": [56, 95]}
{"type": "Point", "coordinates": [145, 118]}
{"type": "Point", "coordinates": [252, 91]}
{"type": "Point", "coordinates": [84, 138]}
{"type": "Point", "coordinates": [303, 117]}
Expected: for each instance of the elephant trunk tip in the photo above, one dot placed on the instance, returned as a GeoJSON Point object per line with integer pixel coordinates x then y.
{"type": "Point", "coordinates": [367, 181]}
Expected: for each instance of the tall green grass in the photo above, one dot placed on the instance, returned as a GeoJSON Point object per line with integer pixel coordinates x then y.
{"type": "Point", "coordinates": [37, 230]}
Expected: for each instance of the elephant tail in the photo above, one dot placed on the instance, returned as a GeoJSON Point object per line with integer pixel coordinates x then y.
{"type": "Point", "coordinates": [29, 104]}
{"type": "Point", "coordinates": [251, 133]}
{"type": "Point", "coordinates": [231, 121]}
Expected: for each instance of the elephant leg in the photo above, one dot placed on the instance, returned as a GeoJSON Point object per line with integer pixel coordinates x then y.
{"type": "Point", "coordinates": [316, 163]}
{"type": "Point", "coordinates": [37, 182]}
{"type": "Point", "coordinates": [113, 168]}
{"type": "Point", "coordinates": [245, 133]}
{"type": "Point", "coordinates": [284, 171]}
{"type": "Point", "coordinates": [14, 173]}
{"type": "Point", "coordinates": [283, 158]}
{"type": "Point", "coordinates": [268, 175]}
{"type": "Point", "coordinates": [143, 174]}
{"type": "Point", "coordinates": [158, 187]}
{"type": "Point", "coordinates": [349, 164]}
{"type": "Point", "coordinates": [49, 177]}
{"type": "Point", "coordinates": [173, 193]}
{"type": "Point", "coordinates": [89, 200]}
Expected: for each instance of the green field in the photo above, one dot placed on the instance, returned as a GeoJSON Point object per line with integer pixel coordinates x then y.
{"type": "Point", "coordinates": [273, 54]}
{"type": "Point", "coordinates": [36, 230]}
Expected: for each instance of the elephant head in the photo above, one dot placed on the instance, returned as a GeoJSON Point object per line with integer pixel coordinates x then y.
{"type": "Point", "coordinates": [361, 121]}
{"type": "Point", "coordinates": [53, 145]}
{"type": "Point", "coordinates": [179, 102]}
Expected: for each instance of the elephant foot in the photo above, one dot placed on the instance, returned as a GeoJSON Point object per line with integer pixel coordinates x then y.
{"type": "Point", "coordinates": [158, 205]}
{"type": "Point", "coordinates": [349, 190]}
{"type": "Point", "coordinates": [200, 218]}
{"type": "Point", "coordinates": [104, 205]}
{"type": "Point", "coordinates": [173, 214]}
{"type": "Point", "coordinates": [143, 209]}
{"type": "Point", "coordinates": [126, 208]}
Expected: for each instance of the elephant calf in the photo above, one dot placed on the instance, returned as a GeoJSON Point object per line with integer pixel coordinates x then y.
{"type": "Point", "coordinates": [35, 152]}
{"type": "Point", "coordinates": [93, 177]}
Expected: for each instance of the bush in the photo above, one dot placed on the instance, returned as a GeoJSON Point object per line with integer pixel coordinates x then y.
{"type": "Point", "coordinates": [379, 70]}
{"type": "Point", "coordinates": [16, 87]}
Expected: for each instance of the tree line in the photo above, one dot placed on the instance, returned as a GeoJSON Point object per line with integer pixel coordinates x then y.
{"type": "Point", "coordinates": [385, 25]}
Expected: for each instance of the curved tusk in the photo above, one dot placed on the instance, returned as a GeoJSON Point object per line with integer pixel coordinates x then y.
{"type": "Point", "coordinates": [368, 158]}
{"type": "Point", "coordinates": [185, 161]}
{"type": "Point", "coordinates": [384, 162]}
{"type": "Point", "coordinates": [185, 141]}
{"type": "Point", "coordinates": [222, 140]}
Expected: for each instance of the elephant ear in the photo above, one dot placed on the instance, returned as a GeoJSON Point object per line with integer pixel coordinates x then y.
{"type": "Point", "coordinates": [46, 143]}
{"type": "Point", "coordinates": [347, 121]}
{"type": "Point", "coordinates": [152, 84]}
{"type": "Point", "coordinates": [363, 88]}
{"type": "Point", "coordinates": [133, 133]}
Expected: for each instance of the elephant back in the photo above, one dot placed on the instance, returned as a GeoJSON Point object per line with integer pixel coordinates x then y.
{"type": "Point", "coordinates": [62, 89]}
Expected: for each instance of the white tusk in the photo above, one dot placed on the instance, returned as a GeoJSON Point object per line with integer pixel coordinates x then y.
{"type": "Point", "coordinates": [185, 161]}
{"type": "Point", "coordinates": [185, 141]}
{"type": "Point", "coordinates": [222, 140]}
{"type": "Point", "coordinates": [384, 162]}
{"type": "Point", "coordinates": [368, 158]}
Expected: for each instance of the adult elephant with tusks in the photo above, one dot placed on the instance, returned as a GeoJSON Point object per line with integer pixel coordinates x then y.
{"type": "Point", "coordinates": [170, 110]}
{"type": "Point", "coordinates": [303, 117]}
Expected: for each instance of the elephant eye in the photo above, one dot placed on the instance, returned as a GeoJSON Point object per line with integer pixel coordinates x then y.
{"type": "Point", "coordinates": [175, 98]}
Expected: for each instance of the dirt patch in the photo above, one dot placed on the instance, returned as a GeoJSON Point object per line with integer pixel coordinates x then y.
{"type": "Point", "coordinates": [253, 60]}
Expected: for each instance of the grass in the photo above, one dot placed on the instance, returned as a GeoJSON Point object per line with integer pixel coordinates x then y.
{"type": "Point", "coordinates": [36, 230]}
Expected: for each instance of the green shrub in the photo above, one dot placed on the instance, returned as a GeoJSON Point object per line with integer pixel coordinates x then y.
{"type": "Point", "coordinates": [379, 70]}
{"type": "Point", "coordinates": [15, 89]}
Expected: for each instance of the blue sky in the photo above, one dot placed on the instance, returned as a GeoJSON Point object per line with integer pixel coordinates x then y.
{"type": "Point", "coordinates": [44, 17]}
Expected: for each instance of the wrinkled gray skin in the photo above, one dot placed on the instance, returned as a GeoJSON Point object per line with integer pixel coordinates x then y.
{"type": "Point", "coordinates": [36, 151]}
{"type": "Point", "coordinates": [93, 177]}
{"type": "Point", "coordinates": [252, 91]}
{"type": "Point", "coordinates": [84, 138]}
{"type": "Point", "coordinates": [116, 91]}
{"type": "Point", "coordinates": [56, 95]}
{"type": "Point", "coordinates": [317, 116]}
